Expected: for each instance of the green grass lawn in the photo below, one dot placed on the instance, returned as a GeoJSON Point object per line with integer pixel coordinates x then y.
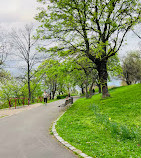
{"type": "Point", "coordinates": [105, 128]}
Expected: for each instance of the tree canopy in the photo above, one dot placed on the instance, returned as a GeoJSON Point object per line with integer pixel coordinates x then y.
{"type": "Point", "coordinates": [132, 67]}
{"type": "Point", "coordinates": [92, 28]}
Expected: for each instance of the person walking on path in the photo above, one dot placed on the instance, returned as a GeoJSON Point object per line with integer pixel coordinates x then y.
{"type": "Point", "coordinates": [45, 97]}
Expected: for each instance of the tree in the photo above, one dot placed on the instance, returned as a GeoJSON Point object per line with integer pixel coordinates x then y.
{"type": "Point", "coordinates": [4, 50]}
{"type": "Point", "coordinates": [93, 28]}
{"type": "Point", "coordinates": [83, 72]}
{"type": "Point", "coordinates": [49, 69]}
{"type": "Point", "coordinates": [24, 45]}
{"type": "Point", "coordinates": [10, 88]}
{"type": "Point", "coordinates": [132, 67]}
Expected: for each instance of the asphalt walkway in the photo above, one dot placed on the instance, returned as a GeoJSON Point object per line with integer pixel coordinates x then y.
{"type": "Point", "coordinates": [26, 134]}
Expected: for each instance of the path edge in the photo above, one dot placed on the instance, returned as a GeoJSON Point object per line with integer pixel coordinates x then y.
{"type": "Point", "coordinates": [7, 116]}
{"type": "Point", "coordinates": [65, 143]}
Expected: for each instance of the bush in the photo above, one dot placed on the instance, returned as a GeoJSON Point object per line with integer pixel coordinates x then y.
{"type": "Point", "coordinates": [62, 96]}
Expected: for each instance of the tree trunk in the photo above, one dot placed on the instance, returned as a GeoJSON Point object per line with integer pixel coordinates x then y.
{"type": "Point", "coordinates": [54, 89]}
{"type": "Point", "coordinates": [28, 67]}
{"type": "Point", "coordinates": [53, 94]}
{"type": "Point", "coordinates": [103, 76]}
{"type": "Point", "coordinates": [99, 87]}
{"type": "Point", "coordinates": [82, 89]}
{"type": "Point", "coordinates": [127, 79]}
{"type": "Point", "coordinates": [29, 91]}
{"type": "Point", "coordinates": [50, 96]}
{"type": "Point", "coordinates": [128, 82]}
{"type": "Point", "coordinates": [87, 95]}
{"type": "Point", "coordinates": [91, 90]}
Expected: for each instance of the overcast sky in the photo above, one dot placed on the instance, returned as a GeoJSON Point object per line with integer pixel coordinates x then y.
{"type": "Point", "coordinates": [17, 12]}
{"type": "Point", "coordinates": [12, 11]}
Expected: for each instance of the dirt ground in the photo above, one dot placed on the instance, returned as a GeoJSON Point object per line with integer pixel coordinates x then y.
{"type": "Point", "coordinates": [12, 111]}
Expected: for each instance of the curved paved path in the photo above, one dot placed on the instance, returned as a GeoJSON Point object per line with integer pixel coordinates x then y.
{"type": "Point", "coordinates": [26, 134]}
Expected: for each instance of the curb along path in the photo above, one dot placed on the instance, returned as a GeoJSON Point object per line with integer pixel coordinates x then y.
{"type": "Point", "coordinates": [65, 143]}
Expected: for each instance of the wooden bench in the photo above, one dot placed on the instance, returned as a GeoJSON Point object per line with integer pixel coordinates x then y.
{"type": "Point", "coordinates": [69, 100]}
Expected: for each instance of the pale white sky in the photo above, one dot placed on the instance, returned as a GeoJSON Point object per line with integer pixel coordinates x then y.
{"type": "Point", "coordinates": [19, 12]}
{"type": "Point", "coordinates": [12, 11]}
{"type": "Point", "coordinates": [132, 43]}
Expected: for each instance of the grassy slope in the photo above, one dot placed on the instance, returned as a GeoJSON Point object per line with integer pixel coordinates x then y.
{"type": "Point", "coordinates": [105, 127]}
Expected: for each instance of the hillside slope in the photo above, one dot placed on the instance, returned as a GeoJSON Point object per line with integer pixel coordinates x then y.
{"type": "Point", "coordinates": [105, 127]}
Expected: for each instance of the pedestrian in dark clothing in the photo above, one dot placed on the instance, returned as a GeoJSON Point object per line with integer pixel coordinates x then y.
{"type": "Point", "coordinates": [45, 97]}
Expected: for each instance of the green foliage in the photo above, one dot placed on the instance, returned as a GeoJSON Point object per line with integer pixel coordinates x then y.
{"type": "Point", "coordinates": [3, 75]}
{"type": "Point", "coordinates": [13, 88]}
{"type": "Point", "coordinates": [53, 74]}
{"type": "Point", "coordinates": [105, 127]}
{"type": "Point", "coordinates": [114, 67]}
{"type": "Point", "coordinates": [62, 96]}
{"type": "Point", "coordinates": [89, 29]}
{"type": "Point", "coordinates": [132, 67]}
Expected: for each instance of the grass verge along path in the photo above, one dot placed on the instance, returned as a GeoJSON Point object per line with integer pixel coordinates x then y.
{"type": "Point", "coordinates": [105, 128]}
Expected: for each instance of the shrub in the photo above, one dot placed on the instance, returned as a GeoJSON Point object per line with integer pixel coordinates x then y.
{"type": "Point", "coordinates": [62, 96]}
